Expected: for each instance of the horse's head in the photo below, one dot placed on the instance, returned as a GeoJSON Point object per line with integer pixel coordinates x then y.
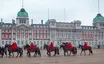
{"type": "Point", "coordinates": [26, 46]}
{"type": "Point", "coordinates": [80, 46]}
{"type": "Point", "coordinates": [61, 46]}
{"type": "Point", "coordinates": [7, 45]}
{"type": "Point", "coordinates": [45, 46]}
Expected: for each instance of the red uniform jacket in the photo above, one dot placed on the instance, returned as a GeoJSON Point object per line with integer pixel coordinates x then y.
{"type": "Point", "coordinates": [69, 46]}
{"type": "Point", "coordinates": [51, 46]}
{"type": "Point", "coordinates": [86, 46]}
{"type": "Point", "coordinates": [32, 47]}
{"type": "Point", "coordinates": [13, 46]}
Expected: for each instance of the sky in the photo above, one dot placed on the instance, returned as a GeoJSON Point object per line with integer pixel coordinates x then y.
{"type": "Point", "coordinates": [83, 10]}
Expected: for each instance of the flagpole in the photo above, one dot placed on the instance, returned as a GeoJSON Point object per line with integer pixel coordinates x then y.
{"type": "Point", "coordinates": [64, 14]}
{"type": "Point", "coordinates": [22, 3]}
{"type": "Point", "coordinates": [98, 6]}
{"type": "Point", "coordinates": [48, 13]}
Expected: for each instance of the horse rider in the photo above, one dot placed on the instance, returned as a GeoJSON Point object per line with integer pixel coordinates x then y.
{"type": "Point", "coordinates": [69, 46]}
{"type": "Point", "coordinates": [51, 46]}
{"type": "Point", "coordinates": [86, 45]}
{"type": "Point", "coordinates": [32, 47]}
{"type": "Point", "coordinates": [13, 46]}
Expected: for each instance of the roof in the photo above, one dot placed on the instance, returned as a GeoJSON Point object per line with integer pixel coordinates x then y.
{"type": "Point", "coordinates": [98, 18]}
{"type": "Point", "coordinates": [22, 13]}
{"type": "Point", "coordinates": [88, 27]}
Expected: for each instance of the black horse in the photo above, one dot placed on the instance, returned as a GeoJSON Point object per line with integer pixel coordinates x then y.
{"type": "Point", "coordinates": [74, 50]}
{"type": "Point", "coordinates": [18, 50]}
{"type": "Point", "coordinates": [83, 49]}
{"type": "Point", "coordinates": [37, 51]}
{"type": "Point", "coordinates": [56, 50]}
{"type": "Point", "coordinates": [3, 51]}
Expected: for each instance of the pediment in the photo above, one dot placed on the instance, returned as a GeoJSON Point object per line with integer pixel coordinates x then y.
{"type": "Point", "coordinates": [22, 27]}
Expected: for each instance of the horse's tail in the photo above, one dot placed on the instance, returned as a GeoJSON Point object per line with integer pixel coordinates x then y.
{"type": "Point", "coordinates": [90, 49]}
{"type": "Point", "coordinates": [75, 50]}
{"type": "Point", "coordinates": [21, 51]}
{"type": "Point", "coordinates": [38, 51]}
{"type": "Point", "coordinates": [57, 50]}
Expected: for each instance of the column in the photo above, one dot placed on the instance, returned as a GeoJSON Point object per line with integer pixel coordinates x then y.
{"type": "Point", "coordinates": [12, 36]}
{"type": "Point", "coordinates": [24, 37]}
{"type": "Point", "coordinates": [28, 36]}
{"type": "Point", "coordinates": [1, 36]}
{"type": "Point", "coordinates": [16, 34]}
{"type": "Point", "coordinates": [20, 37]}
{"type": "Point", "coordinates": [32, 34]}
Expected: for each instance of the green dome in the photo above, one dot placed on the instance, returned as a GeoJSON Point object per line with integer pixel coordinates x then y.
{"type": "Point", "coordinates": [98, 18]}
{"type": "Point", "coordinates": [22, 13]}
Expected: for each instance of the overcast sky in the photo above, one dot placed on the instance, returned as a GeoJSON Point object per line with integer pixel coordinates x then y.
{"type": "Point", "coordinates": [84, 10]}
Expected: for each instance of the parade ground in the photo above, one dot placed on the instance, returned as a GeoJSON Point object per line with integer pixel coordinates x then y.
{"type": "Point", "coordinates": [97, 58]}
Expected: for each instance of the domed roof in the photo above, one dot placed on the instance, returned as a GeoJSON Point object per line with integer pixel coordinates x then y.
{"type": "Point", "coordinates": [22, 13]}
{"type": "Point", "coordinates": [98, 18]}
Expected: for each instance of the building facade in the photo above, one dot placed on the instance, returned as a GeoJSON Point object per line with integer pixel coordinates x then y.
{"type": "Point", "coordinates": [22, 32]}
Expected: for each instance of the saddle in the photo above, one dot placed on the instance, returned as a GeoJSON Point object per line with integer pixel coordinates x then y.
{"type": "Point", "coordinates": [32, 47]}
{"type": "Point", "coordinates": [86, 47]}
{"type": "Point", "coordinates": [51, 48]}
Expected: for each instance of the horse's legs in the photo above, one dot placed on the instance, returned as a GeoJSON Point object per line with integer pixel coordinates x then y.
{"type": "Point", "coordinates": [49, 53]}
{"type": "Point", "coordinates": [39, 53]}
{"type": "Point", "coordinates": [29, 54]}
{"type": "Point", "coordinates": [35, 54]}
{"type": "Point", "coordinates": [21, 53]}
{"type": "Point", "coordinates": [84, 52]}
{"type": "Point", "coordinates": [54, 53]}
{"type": "Point", "coordinates": [90, 51]}
{"type": "Point", "coordinates": [6, 53]}
{"type": "Point", "coordinates": [70, 53]}
{"type": "Point", "coordinates": [81, 52]}
{"type": "Point", "coordinates": [9, 54]}
{"type": "Point", "coordinates": [64, 53]}
{"type": "Point", "coordinates": [12, 54]}
{"type": "Point", "coordinates": [2, 54]}
{"type": "Point", "coordinates": [17, 54]}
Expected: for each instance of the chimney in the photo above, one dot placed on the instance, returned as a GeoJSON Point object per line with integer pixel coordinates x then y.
{"type": "Point", "coordinates": [1, 20]}
{"type": "Point", "coordinates": [31, 21]}
{"type": "Point", "coordinates": [41, 21]}
{"type": "Point", "coordinates": [13, 21]}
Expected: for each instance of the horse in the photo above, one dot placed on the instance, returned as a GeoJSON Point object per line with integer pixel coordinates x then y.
{"type": "Point", "coordinates": [56, 50]}
{"type": "Point", "coordinates": [18, 50]}
{"type": "Point", "coordinates": [65, 49]}
{"type": "Point", "coordinates": [37, 51]}
{"type": "Point", "coordinates": [3, 51]}
{"type": "Point", "coordinates": [83, 49]}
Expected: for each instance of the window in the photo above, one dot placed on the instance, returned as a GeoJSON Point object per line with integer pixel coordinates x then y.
{"type": "Point", "coordinates": [2, 42]}
{"type": "Point", "coordinates": [26, 42]}
{"type": "Point", "coordinates": [18, 42]}
{"type": "Point", "coordinates": [24, 21]}
{"type": "Point", "coordinates": [20, 21]}
{"type": "Point", "coordinates": [6, 42]}
{"type": "Point", "coordinates": [34, 42]}
{"type": "Point", "coordinates": [22, 42]}
{"type": "Point", "coordinates": [9, 42]}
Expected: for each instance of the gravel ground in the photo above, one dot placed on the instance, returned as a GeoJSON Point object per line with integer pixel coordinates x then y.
{"type": "Point", "coordinates": [97, 58]}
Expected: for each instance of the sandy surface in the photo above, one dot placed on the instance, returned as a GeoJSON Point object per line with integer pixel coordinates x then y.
{"type": "Point", "coordinates": [97, 58]}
